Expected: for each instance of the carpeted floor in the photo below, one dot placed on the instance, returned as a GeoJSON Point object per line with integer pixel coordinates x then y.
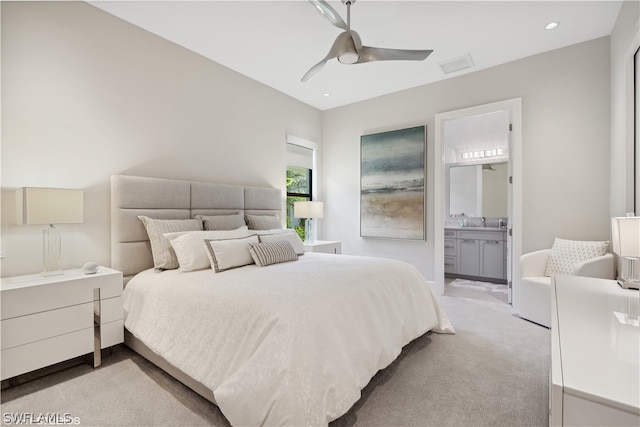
{"type": "Point", "coordinates": [494, 371]}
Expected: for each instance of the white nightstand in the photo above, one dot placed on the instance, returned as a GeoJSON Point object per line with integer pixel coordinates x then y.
{"type": "Point", "coordinates": [329, 247]}
{"type": "Point", "coordinates": [46, 320]}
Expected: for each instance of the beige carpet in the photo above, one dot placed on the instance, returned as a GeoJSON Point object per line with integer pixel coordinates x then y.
{"type": "Point", "coordinates": [493, 372]}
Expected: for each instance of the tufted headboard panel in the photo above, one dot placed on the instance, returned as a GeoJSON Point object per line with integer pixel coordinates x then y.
{"type": "Point", "coordinates": [162, 198]}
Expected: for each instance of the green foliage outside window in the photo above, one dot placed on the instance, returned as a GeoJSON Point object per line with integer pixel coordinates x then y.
{"type": "Point", "coordinates": [298, 190]}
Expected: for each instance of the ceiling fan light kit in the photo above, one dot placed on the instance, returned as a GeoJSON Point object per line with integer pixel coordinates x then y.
{"type": "Point", "coordinates": [348, 48]}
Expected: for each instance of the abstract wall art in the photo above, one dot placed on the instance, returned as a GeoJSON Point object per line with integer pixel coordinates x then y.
{"type": "Point", "coordinates": [392, 184]}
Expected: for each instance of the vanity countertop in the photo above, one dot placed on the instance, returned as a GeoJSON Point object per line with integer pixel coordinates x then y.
{"type": "Point", "coordinates": [471, 228]}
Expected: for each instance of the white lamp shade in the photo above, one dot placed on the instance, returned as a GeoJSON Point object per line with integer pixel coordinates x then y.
{"type": "Point", "coordinates": [308, 209]}
{"type": "Point", "coordinates": [52, 206]}
{"type": "Point", "coordinates": [625, 236]}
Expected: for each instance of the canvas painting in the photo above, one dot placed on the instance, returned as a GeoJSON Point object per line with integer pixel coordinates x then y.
{"type": "Point", "coordinates": [392, 178]}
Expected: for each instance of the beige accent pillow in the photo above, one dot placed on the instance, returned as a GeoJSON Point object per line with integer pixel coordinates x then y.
{"type": "Point", "coordinates": [164, 257]}
{"type": "Point", "coordinates": [191, 249]}
{"type": "Point", "coordinates": [262, 222]}
{"type": "Point", "coordinates": [222, 222]}
{"type": "Point", "coordinates": [230, 253]}
{"type": "Point", "coordinates": [272, 253]}
{"type": "Point", "coordinates": [567, 253]}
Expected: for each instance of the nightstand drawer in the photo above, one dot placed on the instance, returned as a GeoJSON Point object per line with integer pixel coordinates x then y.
{"type": "Point", "coordinates": [25, 358]}
{"type": "Point", "coordinates": [27, 329]}
{"type": "Point", "coordinates": [111, 310]}
{"type": "Point", "coordinates": [41, 295]}
{"type": "Point", "coordinates": [112, 333]}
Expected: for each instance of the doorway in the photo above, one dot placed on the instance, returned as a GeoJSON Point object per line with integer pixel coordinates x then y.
{"type": "Point", "coordinates": [514, 231]}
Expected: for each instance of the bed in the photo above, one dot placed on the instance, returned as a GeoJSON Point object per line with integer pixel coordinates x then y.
{"type": "Point", "coordinates": [284, 343]}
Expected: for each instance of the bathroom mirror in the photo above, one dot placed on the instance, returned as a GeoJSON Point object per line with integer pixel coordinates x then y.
{"type": "Point", "coordinates": [477, 190]}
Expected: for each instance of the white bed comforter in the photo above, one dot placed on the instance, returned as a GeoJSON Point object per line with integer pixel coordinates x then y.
{"type": "Point", "coordinates": [287, 344]}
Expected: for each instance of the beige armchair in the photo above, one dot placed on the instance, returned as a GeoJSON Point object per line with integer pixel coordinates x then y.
{"type": "Point", "coordinates": [534, 289]}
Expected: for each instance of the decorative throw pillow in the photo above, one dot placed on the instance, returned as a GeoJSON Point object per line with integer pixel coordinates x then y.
{"type": "Point", "coordinates": [191, 250]}
{"type": "Point", "coordinates": [222, 222]}
{"type": "Point", "coordinates": [567, 253]}
{"type": "Point", "coordinates": [262, 222]}
{"type": "Point", "coordinates": [230, 253]}
{"type": "Point", "coordinates": [289, 235]}
{"type": "Point", "coordinates": [272, 253]}
{"type": "Point", "coordinates": [164, 257]}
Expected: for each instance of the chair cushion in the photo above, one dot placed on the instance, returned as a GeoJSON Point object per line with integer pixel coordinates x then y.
{"type": "Point", "coordinates": [566, 253]}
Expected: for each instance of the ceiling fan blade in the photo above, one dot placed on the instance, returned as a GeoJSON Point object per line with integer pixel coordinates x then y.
{"type": "Point", "coordinates": [313, 70]}
{"type": "Point", "coordinates": [369, 54]}
{"type": "Point", "coordinates": [328, 12]}
{"type": "Point", "coordinates": [343, 44]}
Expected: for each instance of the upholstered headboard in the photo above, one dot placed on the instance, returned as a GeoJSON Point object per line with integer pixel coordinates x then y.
{"type": "Point", "coordinates": [161, 198]}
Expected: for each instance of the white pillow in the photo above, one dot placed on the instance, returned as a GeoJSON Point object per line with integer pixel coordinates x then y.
{"type": "Point", "coordinates": [567, 253]}
{"type": "Point", "coordinates": [164, 258]}
{"type": "Point", "coordinates": [291, 237]}
{"type": "Point", "coordinates": [231, 253]}
{"type": "Point", "coordinates": [191, 249]}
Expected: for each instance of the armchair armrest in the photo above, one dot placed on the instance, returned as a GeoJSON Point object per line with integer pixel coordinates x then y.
{"type": "Point", "coordinates": [534, 263]}
{"type": "Point", "coordinates": [602, 267]}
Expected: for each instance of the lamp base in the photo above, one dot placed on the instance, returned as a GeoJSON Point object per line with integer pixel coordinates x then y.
{"type": "Point", "coordinates": [51, 246]}
{"type": "Point", "coordinates": [628, 285]}
{"type": "Point", "coordinates": [51, 273]}
{"type": "Point", "coordinates": [309, 238]}
{"type": "Point", "coordinates": [629, 276]}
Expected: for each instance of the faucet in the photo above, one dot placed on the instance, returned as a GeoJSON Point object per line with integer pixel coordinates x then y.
{"type": "Point", "coordinates": [484, 222]}
{"type": "Point", "coordinates": [501, 223]}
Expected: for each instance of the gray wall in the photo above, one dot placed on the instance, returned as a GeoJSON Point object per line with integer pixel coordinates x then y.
{"type": "Point", "coordinates": [86, 95]}
{"type": "Point", "coordinates": [565, 147]}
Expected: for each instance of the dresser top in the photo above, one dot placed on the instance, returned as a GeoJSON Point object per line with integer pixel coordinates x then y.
{"type": "Point", "coordinates": [599, 336]}
{"type": "Point", "coordinates": [17, 282]}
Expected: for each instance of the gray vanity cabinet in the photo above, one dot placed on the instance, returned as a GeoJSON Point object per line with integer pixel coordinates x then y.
{"type": "Point", "coordinates": [475, 253]}
{"type": "Point", "coordinates": [492, 256]}
{"type": "Point", "coordinates": [469, 257]}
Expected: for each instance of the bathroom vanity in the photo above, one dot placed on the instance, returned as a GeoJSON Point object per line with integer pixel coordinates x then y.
{"type": "Point", "coordinates": [476, 253]}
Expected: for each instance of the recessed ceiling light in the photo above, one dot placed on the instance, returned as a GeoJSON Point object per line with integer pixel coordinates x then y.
{"type": "Point", "coordinates": [551, 25]}
{"type": "Point", "coordinates": [326, 94]}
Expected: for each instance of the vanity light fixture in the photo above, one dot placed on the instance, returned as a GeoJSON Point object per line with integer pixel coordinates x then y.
{"type": "Point", "coordinates": [551, 25]}
{"type": "Point", "coordinates": [481, 154]}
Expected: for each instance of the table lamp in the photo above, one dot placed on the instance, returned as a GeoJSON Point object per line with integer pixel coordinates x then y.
{"type": "Point", "coordinates": [308, 210]}
{"type": "Point", "coordinates": [625, 233]}
{"type": "Point", "coordinates": [51, 206]}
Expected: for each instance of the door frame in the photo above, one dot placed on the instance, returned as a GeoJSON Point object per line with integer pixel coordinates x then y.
{"type": "Point", "coordinates": [514, 106]}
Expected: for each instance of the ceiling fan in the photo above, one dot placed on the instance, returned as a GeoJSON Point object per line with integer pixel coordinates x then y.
{"type": "Point", "coordinates": [348, 48]}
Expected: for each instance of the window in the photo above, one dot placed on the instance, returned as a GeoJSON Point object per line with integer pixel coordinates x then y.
{"type": "Point", "coordinates": [299, 183]}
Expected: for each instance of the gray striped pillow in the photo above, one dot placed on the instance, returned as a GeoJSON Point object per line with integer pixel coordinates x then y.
{"type": "Point", "coordinates": [272, 252]}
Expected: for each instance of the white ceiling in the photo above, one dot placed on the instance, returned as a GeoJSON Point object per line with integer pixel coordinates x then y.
{"type": "Point", "coordinates": [276, 42]}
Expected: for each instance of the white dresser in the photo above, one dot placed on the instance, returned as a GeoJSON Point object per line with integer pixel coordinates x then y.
{"type": "Point", "coordinates": [595, 353]}
{"type": "Point", "coordinates": [46, 320]}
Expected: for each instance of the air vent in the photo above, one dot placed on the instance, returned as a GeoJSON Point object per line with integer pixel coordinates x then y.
{"type": "Point", "coordinates": [456, 64]}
